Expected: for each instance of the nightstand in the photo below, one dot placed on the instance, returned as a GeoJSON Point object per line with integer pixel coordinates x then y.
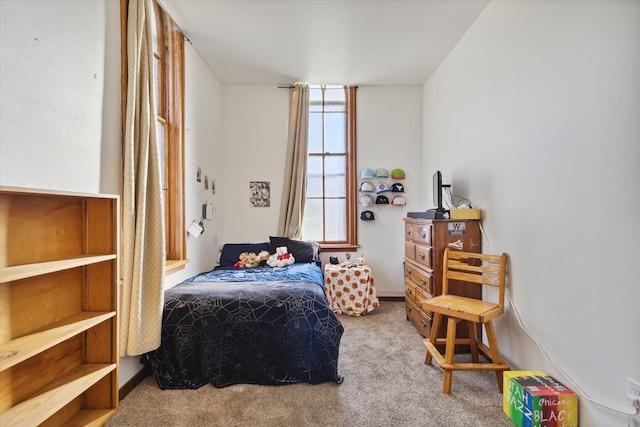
{"type": "Point", "coordinates": [350, 289]}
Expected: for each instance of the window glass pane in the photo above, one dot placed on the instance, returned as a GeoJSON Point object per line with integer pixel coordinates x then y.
{"type": "Point", "coordinates": [156, 84]}
{"type": "Point", "coordinates": [335, 174]}
{"type": "Point", "coordinates": [334, 99]}
{"type": "Point", "coordinates": [315, 99]}
{"type": "Point", "coordinates": [335, 218]}
{"type": "Point", "coordinates": [315, 132]}
{"type": "Point", "coordinates": [312, 222]}
{"type": "Point", "coordinates": [329, 168]}
{"type": "Point", "coordinates": [334, 133]}
{"type": "Point", "coordinates": [154, 30]}
{"type": "Point", "coordinates": [163, 151]}
{"type": "Point", "coordinates": [314, 176]}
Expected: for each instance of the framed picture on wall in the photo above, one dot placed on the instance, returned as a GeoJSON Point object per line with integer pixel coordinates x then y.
{"type": "Point", "coordinates": [260, 194]}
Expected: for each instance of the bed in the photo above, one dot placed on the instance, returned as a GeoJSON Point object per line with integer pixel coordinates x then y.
{"type": "Point", "coordinates": [260, 325]}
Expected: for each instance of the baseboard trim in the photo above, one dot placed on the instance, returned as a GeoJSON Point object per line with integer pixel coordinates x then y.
{"type": "Point", "coordinates": [391, 298]}
{"type": "Point", "coordinates": [133, 382]}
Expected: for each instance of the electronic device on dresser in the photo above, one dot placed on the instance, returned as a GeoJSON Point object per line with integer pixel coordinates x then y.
{"type": "Point", "coordinates": [439, 212]}
{"type": "Point", "coordinates": [425, 241]}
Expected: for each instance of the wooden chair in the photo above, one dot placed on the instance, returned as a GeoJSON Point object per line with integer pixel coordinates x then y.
{"type": "Point", "coordinates": [474, 270]}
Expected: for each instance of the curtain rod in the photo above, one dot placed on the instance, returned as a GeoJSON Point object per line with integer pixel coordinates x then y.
{"type": "Point", "coordinates": [291, 87]}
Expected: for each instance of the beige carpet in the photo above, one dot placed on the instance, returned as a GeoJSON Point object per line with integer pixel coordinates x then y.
{"type": "Point", "coordinates": [386, 384]}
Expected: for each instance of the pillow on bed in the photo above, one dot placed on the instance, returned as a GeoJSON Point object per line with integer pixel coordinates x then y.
{"type": "Point", "coordinates": [231, 251]}
{"type": "Point", "coordinates": [303, 251]}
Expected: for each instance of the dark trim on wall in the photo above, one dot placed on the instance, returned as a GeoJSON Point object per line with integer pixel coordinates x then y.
{"type": "Point", "coordinates": [134, 381]}
{"type": "Point", "coordinates": [391, 298]}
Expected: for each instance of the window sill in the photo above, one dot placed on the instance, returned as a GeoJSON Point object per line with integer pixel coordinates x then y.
{"type": "Point", "coordinates": [174, 265]}
{"type": "Point", "coordinates": [341, 247]}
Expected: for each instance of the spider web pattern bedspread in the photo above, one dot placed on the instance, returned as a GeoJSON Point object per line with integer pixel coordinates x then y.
{"type": "Point", "coordinates": [260, 332]}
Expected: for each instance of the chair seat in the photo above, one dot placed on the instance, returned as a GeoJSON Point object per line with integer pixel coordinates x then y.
{"type": "Point", "coordinates": [462, 307]}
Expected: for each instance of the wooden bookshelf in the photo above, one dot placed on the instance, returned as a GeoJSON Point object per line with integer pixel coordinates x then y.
{"type": "Point", "coordinates": [58, 307]}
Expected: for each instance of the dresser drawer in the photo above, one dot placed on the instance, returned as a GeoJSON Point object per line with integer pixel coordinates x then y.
{"type": "Point", "coordinates": [423, 255]}
{"type": "Point", "coordinates": [418, 317]}
{"type": "Point", "coordinates": [409, 290]}
{"type": "Point", "coordinates": [420, 233]}
{"type": "Point", "coordinates": [420, 296]}
{"type": "Point", "coordinates": [419, 277]}
{"type": "Point", "coordinates": [410, 250]}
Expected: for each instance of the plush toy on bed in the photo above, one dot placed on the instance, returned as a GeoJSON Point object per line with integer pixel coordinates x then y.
{"type": "Point", "coordinates": [281, 258]}
{"type": "Point", "coordinates": [250, 259]}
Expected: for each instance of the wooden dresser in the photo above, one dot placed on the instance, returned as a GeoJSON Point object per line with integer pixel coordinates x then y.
{"type": "Point", "coordinates": [58, 305]}
{"type": "Point", "coordinates": [424, 244]}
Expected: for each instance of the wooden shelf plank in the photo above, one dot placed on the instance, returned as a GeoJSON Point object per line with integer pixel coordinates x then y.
{"type": "Point", "coordinates": [22, 348]}
{"type": "Point", "coordinates": [56, 395]}
{"type": "Point", "coordinates": [91, 417]}
{"type": "Point", "coordinates": [17, 272]}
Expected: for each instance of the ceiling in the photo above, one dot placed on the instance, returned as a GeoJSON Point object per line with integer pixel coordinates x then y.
{"type": "Point", "coordinates": [355, 42]}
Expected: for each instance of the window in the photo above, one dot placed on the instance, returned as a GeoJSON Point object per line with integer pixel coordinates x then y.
{"type": "Point", "coordinates": [330, 205]}
{"type": "Point", "coordinates": [168, 67]}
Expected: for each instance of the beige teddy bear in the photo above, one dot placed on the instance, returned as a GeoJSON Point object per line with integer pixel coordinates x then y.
{"type": "Point", "coordinates": [251, 260]}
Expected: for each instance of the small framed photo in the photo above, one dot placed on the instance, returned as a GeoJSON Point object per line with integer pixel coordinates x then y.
{"type": "Point", "coordinates": [260, 194]}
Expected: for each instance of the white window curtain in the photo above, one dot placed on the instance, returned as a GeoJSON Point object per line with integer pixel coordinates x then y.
{"type": "Point", "coordinates": [295, 179]}
{"type": "Point", "coordinates": [143, 239]}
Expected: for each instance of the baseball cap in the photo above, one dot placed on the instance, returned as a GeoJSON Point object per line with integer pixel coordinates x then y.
{"type": "Point", "coordinates": [399, 201]}
{"type": "Point", "coordinates": [382, 173]}
{"type": "Point", "coordinates": [397, 174]}
{"type": "Point", "coordinates": [381, 187]}
{"type": "Point", "coordinates": [366, 200]}
{"type": "Point", "coordinates": [367, 216]}
{"type": "Point", "coordinates": [397, 188]}
{"type": "Point", "coordinates": [366, 187]}
{"type": "Point", "coordinates": [366, 173]}
{"type": "Point", "coordinates": [382, 200]}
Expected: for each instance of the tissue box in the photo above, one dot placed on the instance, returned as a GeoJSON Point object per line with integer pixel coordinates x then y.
{"type": "Point", "coordinates": [535, 399]}
{"type": "Point", "coordinates": [465, 214]}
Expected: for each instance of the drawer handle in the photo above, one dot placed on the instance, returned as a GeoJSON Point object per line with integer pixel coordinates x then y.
{"type": "Point", "coordinates": [421, 255]}
{"type": "Point", "coordinates": [423, 234]}
{"type": "Point", "coordinates": [422, 322]}
{"type": "Point", "coordinates": [409, 232]}
{"type": "Point", "coordinates": [408, 271]}
{"type": "Point", "coordinates": [423, 281]}
{"type": "Point", "coordinates": [408, 309]}
{"type": "Point", "coordinates": [409, 291]}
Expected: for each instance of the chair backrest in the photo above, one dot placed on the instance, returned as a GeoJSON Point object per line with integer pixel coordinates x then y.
{"type": "Point", "coordinates": [474, 268]}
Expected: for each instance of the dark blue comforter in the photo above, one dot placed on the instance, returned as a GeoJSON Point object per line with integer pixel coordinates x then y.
{"type": "Point", "coordinates": [256, 326]}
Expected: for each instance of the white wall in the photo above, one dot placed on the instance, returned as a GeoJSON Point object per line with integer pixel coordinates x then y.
{"type": "Point", "coordinates": [52, 88]}
{"type": "Point", "coordinates": [203, 149]}
{"type": "Point", "coordinates": [535, 117]}
{"type": "Point", "coordinates": [390, 136]}
{"type": "Point", "coordinates": [255, 139]}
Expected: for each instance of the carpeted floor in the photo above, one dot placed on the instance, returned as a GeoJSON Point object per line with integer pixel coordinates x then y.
{"type": "Point", "coordinates": [386, 384]}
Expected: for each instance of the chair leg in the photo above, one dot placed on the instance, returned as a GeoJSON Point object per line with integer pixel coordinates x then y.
{"type": "Point", "coordinates": [435, 324]}
{"type": "Point", "coordinates": [495, 353]}
{"type": "Point", "coordinates": [473, 343]}
{"type": "Point", "coordinates": [449, 353]}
